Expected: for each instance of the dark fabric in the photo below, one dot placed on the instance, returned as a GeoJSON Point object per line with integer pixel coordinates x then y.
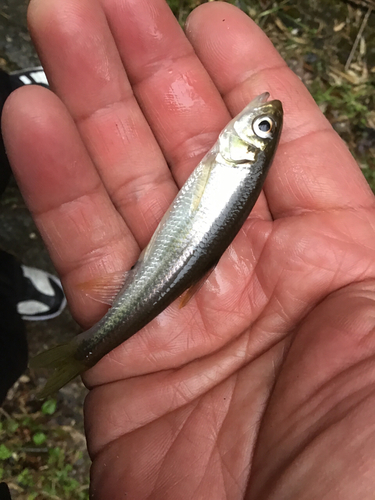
{"type": "Point", "coordinates": [13, 344]}
{"type": "Point", "coordinates": [5, 90]}
{"type": "Point", "coordinates": [4, 492]}
{"type": "Point", "coordinates": [11, 278]}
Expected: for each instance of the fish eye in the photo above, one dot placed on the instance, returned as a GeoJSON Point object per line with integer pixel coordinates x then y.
{"type": "Point", "coordinates": [263, 127]}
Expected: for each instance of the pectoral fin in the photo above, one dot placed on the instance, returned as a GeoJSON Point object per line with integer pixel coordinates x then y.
{"type": "Point", "coordinates": [104, 288]}
{"type": "Point", "coordinates": [201, 186]}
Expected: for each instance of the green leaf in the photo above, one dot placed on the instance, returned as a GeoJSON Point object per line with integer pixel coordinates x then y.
{"type": "Point", "coordinates": [39, 438]}
{"type": "Point", "coordinates": [49, 407]}
{"type": "Point", "coordinates": [25, 478]}
{"type": "Point", "coordinates": [12, 426]}
{"type": "Point", "coordinates": [5, 453]}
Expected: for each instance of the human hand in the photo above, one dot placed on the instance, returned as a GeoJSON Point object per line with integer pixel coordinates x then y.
{"type": "Point", "coordinates": [262, 386]}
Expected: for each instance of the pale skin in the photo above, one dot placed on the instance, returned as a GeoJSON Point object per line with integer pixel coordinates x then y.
{"type": "Point", "coordinates": [262, 387]}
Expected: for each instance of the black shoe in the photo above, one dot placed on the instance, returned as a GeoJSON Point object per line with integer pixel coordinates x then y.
{"type": "Point", "coordinates": [30, 76]}
{"type": "Point", "coordinates": [4, 492]}
{"type": "Point", "coordinates": [41, 297]}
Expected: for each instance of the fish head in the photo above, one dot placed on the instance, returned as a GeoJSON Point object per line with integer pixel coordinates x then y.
{"type": "Point", "coordinates": [259, 124]}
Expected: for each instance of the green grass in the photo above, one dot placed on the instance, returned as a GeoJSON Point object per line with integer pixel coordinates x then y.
{"type": "Point", "coordinates": [40, 459]}
{"type": "Point", "coordinates": [316, 39]}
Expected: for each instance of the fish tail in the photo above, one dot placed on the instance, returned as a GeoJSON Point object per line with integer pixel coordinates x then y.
{"type": "Point", "coordinates": [66, 366]}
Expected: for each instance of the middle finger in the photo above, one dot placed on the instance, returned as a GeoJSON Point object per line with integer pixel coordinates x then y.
{"type": "Point", "coordinates": [178, 97]}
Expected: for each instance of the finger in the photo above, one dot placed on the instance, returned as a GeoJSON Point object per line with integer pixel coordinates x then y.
{"type": "Point", "coordinates": [84, 233]}
{"type": "Point", "coordinates": [82, 62]}
{"type": "Point", "coordinates": [179, 99]}
{"type": "Point", "coordinates": [313, 169]}
{"type": "Point", "coordinates": [181, 103]}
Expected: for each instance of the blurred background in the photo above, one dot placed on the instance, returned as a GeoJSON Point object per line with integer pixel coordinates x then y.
{"type": "Point", "coordinates": [330, 45]}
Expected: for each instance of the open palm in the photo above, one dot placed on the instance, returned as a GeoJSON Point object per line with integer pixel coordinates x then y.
{"type": "Point", "coordinates": [262, 387]}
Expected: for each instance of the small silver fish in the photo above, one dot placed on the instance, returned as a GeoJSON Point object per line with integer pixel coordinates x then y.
{"type": "Point", "coordinates": [199, 225]}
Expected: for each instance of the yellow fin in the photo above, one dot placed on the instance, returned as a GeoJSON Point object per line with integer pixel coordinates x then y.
{"type": "Point", "coordinates": [190, 292]}
{"type": "Point", "coordinates": [61, 358]}
{"type": "Point", "coordinates": [104, 288]}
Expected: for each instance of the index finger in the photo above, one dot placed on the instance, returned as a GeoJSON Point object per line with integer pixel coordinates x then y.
{"type": "Point", "coordinates": [313, 169]}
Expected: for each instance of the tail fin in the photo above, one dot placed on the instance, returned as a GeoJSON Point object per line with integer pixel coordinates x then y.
{"type": "Point", "coordinates": [62, 359]}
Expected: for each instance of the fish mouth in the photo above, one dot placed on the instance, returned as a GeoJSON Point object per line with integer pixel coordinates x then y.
{"type": "Point", "coordinates": [276, 104]}
{"type": "Point", "coordinates": [262, 99]}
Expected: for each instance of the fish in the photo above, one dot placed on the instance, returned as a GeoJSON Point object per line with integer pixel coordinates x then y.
{"type": "Point", "coordinates": [188, 243]}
